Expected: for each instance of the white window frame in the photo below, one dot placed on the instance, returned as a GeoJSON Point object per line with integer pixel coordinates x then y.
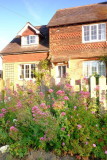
{"type": "Point", "coordinates": [90, 68]}
{"type": "Point", "coordinates": [90, 40]}
{"type": "Point", "coordinates": [24, 78]}
{"type": "Point", "coordinates": [26, 40]}
{"type": "Point", "coordinates": [57, 71]}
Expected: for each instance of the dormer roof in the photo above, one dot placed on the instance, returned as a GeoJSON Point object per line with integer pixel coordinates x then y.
{"type": "Point", "coordinates": [77, 15]}
{"type": "Point", "coordinates": [28, 24]}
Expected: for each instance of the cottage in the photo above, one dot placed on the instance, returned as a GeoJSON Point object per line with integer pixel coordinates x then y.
{"type": "Point", "coordinates": [78, 38]}
{"type": "Point", "coordinates": [22, 55]}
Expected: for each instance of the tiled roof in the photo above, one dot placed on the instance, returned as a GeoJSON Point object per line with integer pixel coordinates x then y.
{"type": "Point", "coordinates": [14, 47]}
{"type": "Point", "coordinates": [82, 14]}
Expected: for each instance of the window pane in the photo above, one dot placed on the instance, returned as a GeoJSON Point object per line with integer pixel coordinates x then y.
{"type": "Point", "coordinates": [27, 71]}
{"type": "Point", "coordinates": [33, 66]}
{"type": "Point", "coordinates": [32, 39]}
{"type": "Point", "coordinates": [59, 71]}
{"type": "Point", "coordinates": [27, 39]}
{"type": "Point", "coordinates": [63, 71]}
{"type": "Point", "coordinates": [94, 32]}
{"type": "Point", "coordinates": [101, 31]}
{"type": "Point", "coordinates": [102, 69]}
{"type": "Point", "coordinates": [86, 33]}
{"type": "Point", "coordinates": [21, 71]}
{"type": "Point", "coordinates": [85, 69]}
{"type": "Point", "coordinates": [94, 67]}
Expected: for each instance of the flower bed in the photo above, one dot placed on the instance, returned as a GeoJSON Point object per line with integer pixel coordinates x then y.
{"type": "Point", "coordinates": [59, 120]}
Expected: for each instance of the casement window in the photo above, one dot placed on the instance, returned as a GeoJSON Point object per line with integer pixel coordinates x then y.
{"type": "Point", "coordinates": [26, 71]}
{"type": "Point", "coordinates": [94, 32]}
{"type": "Point", "coordinates": [29, 40]}
{"type": "Point", "coordinates": [94, 67]}
{"type": "Point", "coordinates": [61, 71]}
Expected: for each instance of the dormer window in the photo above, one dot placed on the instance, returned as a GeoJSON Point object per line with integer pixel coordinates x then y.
{"type": "Point", "coordinates": [30, 40]}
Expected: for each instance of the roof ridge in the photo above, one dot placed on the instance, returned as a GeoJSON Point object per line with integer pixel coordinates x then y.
{"type": "Point", "coordinates": [81, 6]}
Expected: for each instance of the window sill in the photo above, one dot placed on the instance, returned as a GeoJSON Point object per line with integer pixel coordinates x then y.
{"type": "Point", "coordinates": [94, 41]}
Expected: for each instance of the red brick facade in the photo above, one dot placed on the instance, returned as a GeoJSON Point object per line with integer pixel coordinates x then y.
{"type": "Point", "coordinates": [28, 31]}
{"type": "Point", "coordinates": [25, 57]}
{"type": "Point", "coordinates": [67, 41]}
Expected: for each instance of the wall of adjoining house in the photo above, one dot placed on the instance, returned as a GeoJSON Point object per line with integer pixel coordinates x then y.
{"type": "Point", "coordinates": [66, 41]}
{"type": "Point", "coordinates": [11, 65]}
{"type": "Point", "coordinates": [74, 69]}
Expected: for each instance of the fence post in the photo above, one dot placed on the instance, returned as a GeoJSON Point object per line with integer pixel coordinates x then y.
{"type": "Point", "coordinates": [72, 83]}
{"type": "Point", "coordinates": [81, 84]}
{"type": "Point", "coordinates": [1, 84]}
{"type": "Point", "coordinates": [92, 87]}
{"type": "Point", "coordinates": [102, 92]}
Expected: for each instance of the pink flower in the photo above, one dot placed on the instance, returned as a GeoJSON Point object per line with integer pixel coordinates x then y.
{"type": "Point", "coordinates": [63, 129]}
{"type": "Point", "coordinates": [75, 107]}
{"type": "Point", "coordinates": [63, 114]}
{"type": "Point", "coordinates": [42, 104]}
{"type": "Point", "coordinates": [106, 152]}
{"type": "Point", "coordinates": [79, 126]}
{"type": "Point", "coordinates": [66, 98]}
{"type": "Point", "coordinates": [97, 88]}
{"type": "Point", "coordinates": [35, 108]}
{"type": "Point", "coordinates": [41, 93]}
{"type": "Point", "coordinates": [94, 145]}
{"type": "Point", "coordinates": [60, 92]}
{"type": "Point", "coordinates": [1, 115]}
{"type": "Point", "coordinates": [12, 128]}
{"type": "Point", "coordinates": [50, 90]}
{"type": "Point", "coordinates": [19, 104]}
{"type": "Point", "coordinates": [3, 110]}
{"type": "Point", "coordinates": [93, 112]}
{"type": "Point", "coordinates": [69, 135]}
{"type": "Point", "coordinates": [86, 143]}
{"type": "Point", "coordinates": [42, 138]}
{"type": "Point", "coordinates": [68, 85]}
{"type": "Point", "coordinates": [63, 144]}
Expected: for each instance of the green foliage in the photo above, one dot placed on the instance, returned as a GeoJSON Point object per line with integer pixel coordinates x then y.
{"type": "Point", "coordinates": [103, 59]}
{"type": "Point", "coordinates": [43, 69]}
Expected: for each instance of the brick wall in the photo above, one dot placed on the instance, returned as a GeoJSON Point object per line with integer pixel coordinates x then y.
{"type": "Point", "coordinates": [67, 40]}
{"type": "Point", "coordinates": [28, 31]}
{"type": "Point", "coordinates": [24, 57]}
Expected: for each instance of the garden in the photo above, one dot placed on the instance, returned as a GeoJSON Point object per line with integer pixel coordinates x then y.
{"type": "Point", "coordinates": [60, 120]}
{"type": "Point", "coordinates": [55, 119]}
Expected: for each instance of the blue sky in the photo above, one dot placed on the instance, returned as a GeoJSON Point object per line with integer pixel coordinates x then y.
{"type": "Point", "coordinates": [15, 13]}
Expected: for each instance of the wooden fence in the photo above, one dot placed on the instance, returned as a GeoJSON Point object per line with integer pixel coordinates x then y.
{"type": "Point", "coordinates": [96, 87]}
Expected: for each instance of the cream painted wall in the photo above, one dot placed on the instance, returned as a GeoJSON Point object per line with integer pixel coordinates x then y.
{"type": "Point", "coordinates": [15, 72]}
